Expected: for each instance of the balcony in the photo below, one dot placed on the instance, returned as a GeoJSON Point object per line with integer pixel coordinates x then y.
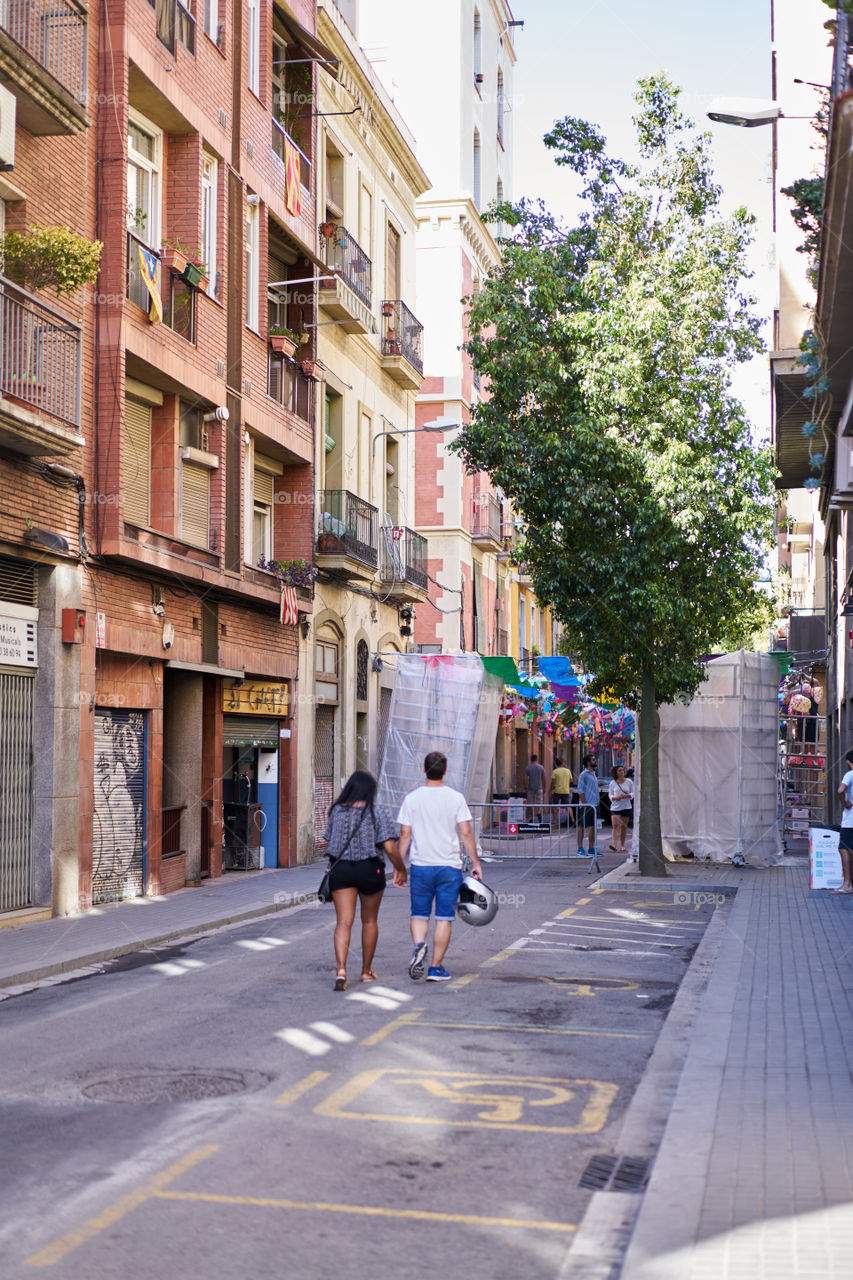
{"type": "Point", "coordinates": [43, 46]}
{"type": "Point", "coordinates": [347, 535]}
{"type": "Point", "coordinates": [402, 344]}
{"type": "Point", "coordinates": [40, 376]}
{"type": "Point", "coordinates": [177, 297]}
{"type": "Point", "coordinates": [403, 564]}
{"type": "Point", "coordinates": [486, 523]}
{"type": "Point", "coordinates": [289, 387]}
{"type": "Point", "coordinates": [349, 296]}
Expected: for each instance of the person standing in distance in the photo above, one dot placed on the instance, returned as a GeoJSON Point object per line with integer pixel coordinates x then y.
{"type": "Point", "coordinates": [588, 810]}
{"type": "Point", "coordinates": [845, 836]}
{"type": "Point", "coordinates": [432, 819]}
{"type": "Point", "coordinates": [534, 776]}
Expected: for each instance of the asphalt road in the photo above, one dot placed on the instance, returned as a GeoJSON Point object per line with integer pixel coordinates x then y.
{"type": "Point", "coordinates": [215, 1110]}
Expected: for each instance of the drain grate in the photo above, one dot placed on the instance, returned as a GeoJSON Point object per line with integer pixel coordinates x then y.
{"type": "Point", "coordinates": [612, 1173]}
{"type": "Point", "coordinates": [173, 1086]}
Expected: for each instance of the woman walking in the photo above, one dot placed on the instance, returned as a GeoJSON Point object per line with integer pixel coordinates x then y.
{"type": "Point", "coordinates": [356, 829]}
{"type": "Point", "coordinates": [621, 792]}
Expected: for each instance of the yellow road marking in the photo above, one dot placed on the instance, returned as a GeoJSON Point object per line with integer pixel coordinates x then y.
{"type": "Point", "coordinates": [581, 902]}
{"type": "Point", "coordinates": [592, 1118]}
{"type": "Point", "coordinates": [464, 980]}
{"type": "Point", "coordinates": [302, 1086]}
{"type": "Point", "coordinates": [152, 1187]}
{"type": "Point", "coordinates": [411, 1015]}
{"type": "Point", "coordinates": [599, 891]}
{"type": "Point", "coordinates": [370, 1211]}
{"type": "Point", "coordinates": [501, 955]}
{"type": "Point", "coordinates": [539, 1031]}
{"type": "Point", "coordinates": [569, 911]}
{"type": "Point", "coordinates": [585, 986]}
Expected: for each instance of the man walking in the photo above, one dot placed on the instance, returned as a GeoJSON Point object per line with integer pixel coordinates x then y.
{"type": "Point", "coordinates": [534, 776]}
{"type": "Point", "coordinates": [845, 836]}
{"type": "Point", "coordinates": [432, 818]}
{"type": "Point", "coordinates": [561, 788]}
{"type": "Point", "coordinates": [588, 810]}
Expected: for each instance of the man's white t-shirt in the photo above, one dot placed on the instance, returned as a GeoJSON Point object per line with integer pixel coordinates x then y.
{"type": "Point", "coordinates": [433, 813]}
{"type": "Point", "coordinates": [847, 814]}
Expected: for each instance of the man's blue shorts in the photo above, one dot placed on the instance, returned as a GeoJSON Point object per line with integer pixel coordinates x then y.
{"type": "Point", "coordinates": [441, 884]}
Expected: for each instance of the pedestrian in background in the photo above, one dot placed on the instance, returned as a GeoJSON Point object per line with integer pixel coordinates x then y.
{"type": "Point", "coordinates": [845, 835]}
{"type": "Point", "coordinates": [588, 809]}
{"type": "Point", "coordinates": [534, 776]}
{"type": "Point", "coordinates": [561, 787]}
{"type": "Point", "coordinates": [357, 832]}
{"type": "Point", "coordinates": [621, 792]}
{"type": "Point", "coordinates": [432, 819]}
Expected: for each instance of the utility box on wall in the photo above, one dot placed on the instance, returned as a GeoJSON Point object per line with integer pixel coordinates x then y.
{"type": "Point", "coordinates": [73, 626]}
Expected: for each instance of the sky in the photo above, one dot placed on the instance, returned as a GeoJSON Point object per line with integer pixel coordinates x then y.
{"type": "Point", "coordinates": [585, 59]}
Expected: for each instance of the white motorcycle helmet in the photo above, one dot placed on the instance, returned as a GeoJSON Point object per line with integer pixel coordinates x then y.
{"type": "Point", "coordinates": [477, 903]}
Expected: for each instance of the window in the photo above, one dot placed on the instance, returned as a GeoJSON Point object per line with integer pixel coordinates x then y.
{"type": "Point", "coordinates": [165, 11]}
{"type": "Point", "coordinates": [136, 463]}
{"type": "Point", "coordinates": [253, 47]}
{"type": "Point", "coordinates": [478, 44]}
{"type": "Point", "coordinates": [263, 473]}
{"type": "Point", "coordinates": [361, 663]}
{"type": "Point", "coordinates": [252, 266]}
{"type": "Point", "coordinates": [194, 519]}
{"type": "Point", "coordinates": [326, 672]}
{"type": "Point", "coordinates": [500, 105]}
{"type": "Point", "coordinates": [392, 264]}
{"type": "Point", "coordinates": [209, 181]}
{"type": "Point", "coordinates": [211, 20]}
{"type": "Point", "coordinates": [365, 222]}
{"type": "Point", "coordinates": [185, 25]}
{"type": "Point", "coordinates": [477, 168]}
{"type": "Point", "coordinates": [144, 164]}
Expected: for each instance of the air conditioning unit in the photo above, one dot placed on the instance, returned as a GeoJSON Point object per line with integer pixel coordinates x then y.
{"type": "Point", "coordinates": [7, 130]}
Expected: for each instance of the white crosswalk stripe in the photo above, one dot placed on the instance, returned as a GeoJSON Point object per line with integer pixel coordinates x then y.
{"type": "Point", "coordinates": [334, 1033]}
{"type": "Point", "coordinates": [176, 968]}
{"type": "Point", "coordinates": [304, 1040]}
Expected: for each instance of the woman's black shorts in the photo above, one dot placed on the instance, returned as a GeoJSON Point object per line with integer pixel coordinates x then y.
{"type": "Point", "coordinates": [367, 875]}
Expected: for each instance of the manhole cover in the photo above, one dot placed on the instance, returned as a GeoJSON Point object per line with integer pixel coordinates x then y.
{"type": "Point", "coordinates": [173, 1086]}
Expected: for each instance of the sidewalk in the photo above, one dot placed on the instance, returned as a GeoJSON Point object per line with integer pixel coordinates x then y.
{"type": "Point", "coordinates": [34, 951]}
{"type": "Point", "coordinates": [754, 1173]}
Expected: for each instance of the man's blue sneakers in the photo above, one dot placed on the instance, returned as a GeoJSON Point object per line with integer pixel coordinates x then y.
{"type": "Point", "coordinates": [417, 964]}
{"type": "Point", "coordinates": [438, 973]}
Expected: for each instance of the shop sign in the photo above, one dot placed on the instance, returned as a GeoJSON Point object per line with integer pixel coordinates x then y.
{"type": "Point", "coordinates": [254, 697]}
{"type": "Point", "coordinates": [18, 641]}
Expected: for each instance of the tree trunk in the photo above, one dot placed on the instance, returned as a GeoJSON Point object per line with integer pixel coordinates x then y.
{"type": "Point", "coordinates": [652, 861]}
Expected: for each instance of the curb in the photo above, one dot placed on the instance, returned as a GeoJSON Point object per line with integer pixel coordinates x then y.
{"type": "Point", "coordinates": [116, 952]}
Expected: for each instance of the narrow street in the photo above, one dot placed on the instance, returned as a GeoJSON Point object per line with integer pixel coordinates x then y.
{"type": "Point", "coordinates": [215, 1109]}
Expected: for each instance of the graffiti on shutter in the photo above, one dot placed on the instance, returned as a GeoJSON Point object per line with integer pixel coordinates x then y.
{"type": "Point", "coordinates": [118, 833]}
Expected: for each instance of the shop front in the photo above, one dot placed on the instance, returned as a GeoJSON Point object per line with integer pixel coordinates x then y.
{"type": "Point", "coordinates": [254, 727]}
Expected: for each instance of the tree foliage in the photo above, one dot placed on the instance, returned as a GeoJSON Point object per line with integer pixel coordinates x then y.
{"type": "Point", "coordinates": [610, 422]}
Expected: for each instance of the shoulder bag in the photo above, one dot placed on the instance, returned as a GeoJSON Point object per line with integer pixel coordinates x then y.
{"type": "Point", "coordinates": [324, 893]}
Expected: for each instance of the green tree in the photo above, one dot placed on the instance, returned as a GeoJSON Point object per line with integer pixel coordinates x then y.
{"type": "Point", "coordinates": [610, 422]}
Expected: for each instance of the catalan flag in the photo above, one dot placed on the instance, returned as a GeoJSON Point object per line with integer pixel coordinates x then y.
{"type": "Point", "coordinates": [149, 265]}
{"type": "Point", "coordinates": [293, 193]}
{"type": "Point", "coordinates": [289, 611]}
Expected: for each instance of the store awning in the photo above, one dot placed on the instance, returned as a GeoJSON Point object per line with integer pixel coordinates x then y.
{"type": "Point", "coordinates": [302, 36]}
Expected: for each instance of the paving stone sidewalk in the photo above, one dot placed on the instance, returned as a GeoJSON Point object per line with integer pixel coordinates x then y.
{"type": "Point", "coordinates": [754, 1175]}
{"type": "Point", "coordinates": [30, 952]}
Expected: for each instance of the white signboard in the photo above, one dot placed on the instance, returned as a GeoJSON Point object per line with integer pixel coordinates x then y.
{"type": "Point", "coordinates": [824, 859]}
{"type": "Point", "coordinates": [18, 638]}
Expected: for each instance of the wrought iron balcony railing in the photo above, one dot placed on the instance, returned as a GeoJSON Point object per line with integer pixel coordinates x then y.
{"type": "Point", "coordinates": [348, 526]}
{"type": "Point", "coordinates": [40, 355]}
{"type": "Point", "coordinates": [343, 255]}
{"type": "Point", "coordinates": [176, 296]}
{"type": "Point", "coordinates": [279, 136]}
{"type": "Point", "coordinates": [404, 556]}
{"type": "Point", "coordinates": [54, 33]}
{"type": "Point", "coordinates": [402, 333]}
{"type": "Point", "coordinates": [486, 520]}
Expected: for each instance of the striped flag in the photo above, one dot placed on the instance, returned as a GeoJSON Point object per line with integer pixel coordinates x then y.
{"type": "Point", "coordinates": [289, 610]}
{"type": "Point", "coordinates": [293, 193]}
{"type": "Point", "coordinates": [149, 265]}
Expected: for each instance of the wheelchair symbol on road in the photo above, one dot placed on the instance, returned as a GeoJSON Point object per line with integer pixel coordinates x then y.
{"type": "Point", "coordinates": [463, 1099]}
{"type": "Point", "coordinates": [589, 986]}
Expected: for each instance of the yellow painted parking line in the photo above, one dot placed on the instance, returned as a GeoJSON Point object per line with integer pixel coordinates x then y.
{"type": "Point", "coordinates": [586, 986]}
{"type": "Point", "coordinates": [569, 911]}
{"type": "Point", "coordinates": [599, 891]}
{"type": "Point", "coordinates": [368, 1210]}
{"type": "Point", "coordinates": [301, 1086]}
{"type": "Point", "coordinates": [464, 980]}
{"type": "Point", "coordinates": [411, 1015]}
{"type": "Point", "coordinates": [483, 1101]}
{"type": "Point", "coordinates": [581, 902]}
{"type": "Point", "coordinates": [496, 959]}
{"type": "Point", "coordinates": [151, 1188]}
{"type": "Point", "coordinates": [539, 1031]}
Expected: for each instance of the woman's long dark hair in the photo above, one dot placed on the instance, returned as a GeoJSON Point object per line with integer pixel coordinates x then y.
{"type": "Point", "coordinates": [360, 785]}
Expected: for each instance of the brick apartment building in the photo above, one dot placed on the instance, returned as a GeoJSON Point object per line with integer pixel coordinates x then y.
{"type": "Point", "coordinates": [179, 462]}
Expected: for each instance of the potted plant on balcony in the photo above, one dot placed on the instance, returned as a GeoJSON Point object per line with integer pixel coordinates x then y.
{"type": "Point", "coordinates": [328, 229]}
{"type": "Point", "coordinates": [50, 258]}
{"type": "Point", "coordinates": [195, 272]}
{"type": "Point", "coordinates": [285, 341]}
{"type": "Point", "coordinates": [291, 573]}
{"type": "Point", "coordinates": [311, 368]}
{"type": "Point", "coordinates": [387, 308]}
{"type": "Point", "coordinates": [175, 255]}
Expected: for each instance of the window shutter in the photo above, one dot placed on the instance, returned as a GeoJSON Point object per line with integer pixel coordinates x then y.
{"type": "Point", "coordinates": [136, 463]}
{"type": "Point", "coordinates": [263, 487]}
{"type": "Point", "coordinates": [195, 504]}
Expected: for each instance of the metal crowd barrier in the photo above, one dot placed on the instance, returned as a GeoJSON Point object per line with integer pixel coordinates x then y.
{"type": "Point", "coordinates": [518, 829]}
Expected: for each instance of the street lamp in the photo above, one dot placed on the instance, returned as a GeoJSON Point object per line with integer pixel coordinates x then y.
{"type": "Point", "coordinates": [438, 424]}
{"type": "Point", "coordinates": [748, 113]}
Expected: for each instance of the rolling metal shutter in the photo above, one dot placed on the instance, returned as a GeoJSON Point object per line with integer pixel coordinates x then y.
{"type": "Point", "coordinates": [195, 504]}
{"type": "Point", "coordinates": [136, 463]}
{"type": "Point", "coordinates": [17, 700]}
{"type": "Point", "coordinates": [250, 731]}
{"type": "Point", "coordinates": [263, 487]}
{"type": "Point", "coordinates": [118, 834]}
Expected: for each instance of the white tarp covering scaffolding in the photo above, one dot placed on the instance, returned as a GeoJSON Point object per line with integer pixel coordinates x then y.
{"type": "Point", "coordinates": [440, 703]}
{"type": "Point", "coordinates": [718, 762]}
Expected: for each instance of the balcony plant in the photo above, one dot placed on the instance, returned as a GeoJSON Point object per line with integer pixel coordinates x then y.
{"type": "Point", "coordinates": [195, 272]}
{"type": "Point", "coordinates": [387, 308]}
{"type": "Point", "coordinates": [286, 341]}
{"type": "Point", "coordinates": [311, 369]}
{"type": "Point", "coordinates": [50, 258]}
{"type": "Point", "coordinates": [291, 573]}
{"type": "Point", "coordinates": [175, 255]}
{"type": "Point", "coordinates": [328, 230]}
